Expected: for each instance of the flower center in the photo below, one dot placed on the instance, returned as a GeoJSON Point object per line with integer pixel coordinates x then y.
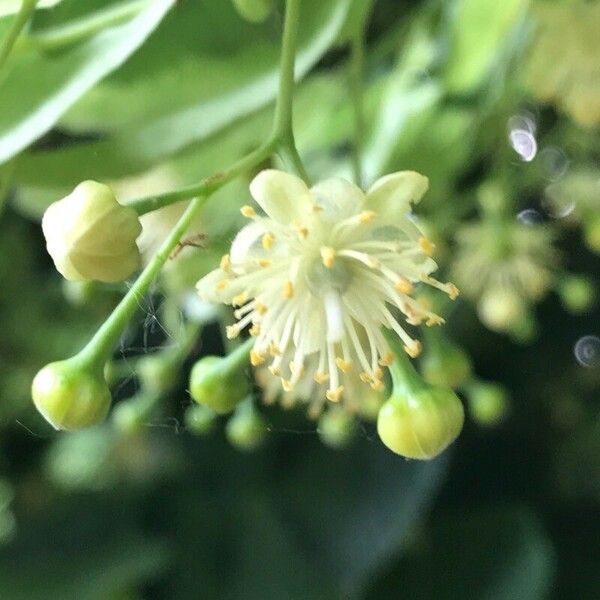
{"type": "Point", "coordinates": [321, 279]}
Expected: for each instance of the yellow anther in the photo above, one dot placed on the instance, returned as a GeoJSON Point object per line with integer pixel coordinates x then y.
{"type": "Point", "coordinates": [225, 263]}
{"type": "Point", "coordinates": [287, 385]}
{"type": "Point", "coordinates": [427, 246]}
{"type": "Point", "coordinates": [288, 290]}
{"type": "Point", "coordinates": [256, 359]}
{"type": "Point", "coordinates": [275, 371]}
{"type": "Point", "coordinates": [248, 212]}
{"type": "Point", "coordinates": [267, 241]}
{"type": "Point", "coordinates": [274, 350]}
{"type": "Point", "coordinates": [387, 359]}
{"type": "Point", "coordinates": [221, 285]}
{"type": "Point", "coordinates": [301, 229]}
{"type": "Point", "coordinates": [378, 373]}
{"type": "Point", "coordinates": [260, 308]}
{"type": "Point", "coordinates": [240, 299]}
{"type": "Point", "coordinates": [378, 385]}
{"type": "Point", "coordinates": [296, 368]}
{"type": "Point", "coordinates": [452, 291]}
{"type": "Point", "coordinates": [366, 217]}
{"type": "Point", "coordinates": [255, 330]}
{"type": "Point", "coordinates": [232, 331]}
{"type": "Point", "coordinates": [414, 349]}
{"type": "Point", "coordinates": [403, 286]}
{"type": "Point", "coordinates": [366, 377]}
{"type": "Point", "coordinates": [343, 365]}
{"type": "Point", "coordinates": [328, 256]}
{"type": "Point", "coordinates": [335, 395]}
{"type": "Point", "coordinates": [434, 319]}
{"type": "Point", "coordinates": [264, 263]}
{"type": "Point", "coordinates": [321, 377]}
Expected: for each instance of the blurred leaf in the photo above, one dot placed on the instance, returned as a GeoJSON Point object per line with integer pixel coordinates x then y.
{"type": "Point", "coordinates": [480, 32]}
{"type": "Point", "coordinates": [296, 521]}
{"type": "Point", "coordinates": [69, 553]}
{"type": "Point", "coordinates": [9, 7]}
{"type": "Point", "coordinates": [37, 88]}
{"type": "Point", "coordinates": [499, 554]}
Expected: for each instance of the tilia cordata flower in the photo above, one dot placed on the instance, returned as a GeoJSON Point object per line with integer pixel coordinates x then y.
{"type": "Point", "coordinates": [319, 275]}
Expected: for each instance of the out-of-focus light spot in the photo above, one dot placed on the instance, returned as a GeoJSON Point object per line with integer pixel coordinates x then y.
{"type": "Point", "coordinates": [554, 162]}
{"type": "Point", "coordinates": [587, 351]}
{"type": "Point", "coordinates": [557, 209]}
{"type": "Point", "coordinates": [530, 217]}
{"type": "Point", "coordinates": [523, 143]}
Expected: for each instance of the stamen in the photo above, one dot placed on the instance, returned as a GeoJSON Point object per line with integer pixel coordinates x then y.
{"type": "Point", "coordinates": [320, 377]}
{"type": "Point", "coordinates": [267, 241]}
{"type": "Point", "coordinates": [387, 359]}
{"type": "Point", "coordinates": [288, 290]}
{"type": "Point", "coordinates": [414, 349]}
{"type": "Point", "coordinates": [264, 263]}
{"type": "Point", "coordinates": [256, 359]}
{"type": "Point", "coordinates": [335, 395]}
{"type": "Point", "coordinates": [260, 308]}
{"type": "Point", "coordinates": [328, 256]}
{"type": "Point", "coordinates": [378, 385]}
{"type": "Point", "coordinates": [221, 285]}
{"type": "Point", "coordinates": [240, 299]}
{"type": "Point", "coordinates": [403, 286]}
{"type": "Point", "coordinates": [225, 263]}
{"type": "Point", "coordinates": [300, 229]}
{"type": "Point", "coordinates": [255, 330]}
{"type": "Point", "coordinates": [287, 385]}
{"type": "Point", "coordinates": [427, 246]}
{"type": "Point", "coordinates": [344, 365]}
{"type": "Point", "coordinates": [248, 212]}
{"type": "Point", "coordinates": [334, 316]}
{"type": "Point", "coordinates": [232, 331]}
{"type": "Point", "coordinates": [449, 288]}
{"type": "Point", "coordinates": [366, 217]}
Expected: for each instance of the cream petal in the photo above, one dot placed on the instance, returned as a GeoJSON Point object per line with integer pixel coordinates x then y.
{"type": "Point", "coordinates": [391, 196]}
{"type": "Point", "coordinates": [282, 196]}
{"type": "Point", "coordinates": [338, 198]}
{"type": "Point", "coordinates": [245, 243]}
{"type": "Point", "coordinates": [209, 290]}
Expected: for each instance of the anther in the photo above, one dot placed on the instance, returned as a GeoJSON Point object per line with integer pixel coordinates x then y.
{"type": "Point", "coordinates": [328, 256]}
{"type": "Point", "coordinates": [378, 385]}
{"type": "Point", "coordinates": [414, 349]}
{"type": "Point", "coordinates": [248, 212]}
{"type": "Point", "coordinates": [427, 246]}
{"type": "Point", "coordinates": [321, 377]}
{"type": "Point", "coordinates": [225, 263]}
{"type": "Point", "coordinates": [343, 365]}
{"type": "Point", "coordinates": [403, 286]}
{"type": "Point", "coordinates": [387, 359]}
{"type": "Point", "coordinates": [264, 263]}
{"type": "Point", "coordinates": [240, 299]}
{"type": "Point", "coordinates": [335, 395]}
{"type": "Point", "coordinates": [267, 241]}
{"type": "Point", "coordinates": [288, 290]}
{"type": "Point", "coordinates": [287, 385]}
{"type": "Point", "coordinates": [255, 330]}
{"type": "Point", "coordinates": [221, 285]}
{"type": "Point", "coordinates": [232, 331]}
{"type": "Point", "coordinates": [256, 359]}
{"type": "Point", "coordinates": [260, 308]}
{"type": "Point", "coordinates": [366, 217]}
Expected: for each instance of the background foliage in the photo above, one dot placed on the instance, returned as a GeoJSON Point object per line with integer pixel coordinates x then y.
{"type": "Point", "coordinates": [150, 97]}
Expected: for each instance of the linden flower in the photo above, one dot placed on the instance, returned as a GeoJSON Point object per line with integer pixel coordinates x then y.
{"type": "Point", "coordinates": [322, 272]}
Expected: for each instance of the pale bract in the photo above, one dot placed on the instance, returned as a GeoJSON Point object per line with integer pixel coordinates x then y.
{"type": "Point", "coordinates": [322, 272]}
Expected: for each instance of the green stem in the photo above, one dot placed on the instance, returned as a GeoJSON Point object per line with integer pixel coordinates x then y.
{"type": "Point", "coordinates": [205, 187]}
{"type": "Point", "coordinates": [290, 157]}
{"type": "Point", "coordinates": [22, 18]}
{"type": "Point", "coordinates": [405, 377]}
{"type": "Point", "coordinates": [79, 29]}
{"type": "Point", "coordinates": [357, 67]}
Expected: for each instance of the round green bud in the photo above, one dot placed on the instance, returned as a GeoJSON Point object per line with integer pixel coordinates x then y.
{"type": "Point", "coordinates": [246, 429]}
{"type": "Point", "coordinates": [255, 11]}
{"type": "Point", "coordinates": [488, 403]}
{"type": "Point", "coordinates": [525, 329]}
{"type": "Point", "coordinates": [200, 420]}
{"type": "Point", "coordinates": [127, 416]}
{"type": "Point", "coordinates": [90, 236]}
{"type": "Point", "coordinates": [70, 396]}
{"type": "Point", "coordinates": [500, 309]}
{"type": "Point", "coordinates": [420, 424]}
{"type": "Point", "coordinates": [157, 373]}
{"type": "Point", "coordinates": [445, 364]}
{"type": "Point", "coordinates": [337, 428]}
{"type": "Point", "coordinates": [215, 383]}
{"type": "Point", "coordinates": [577, 293]}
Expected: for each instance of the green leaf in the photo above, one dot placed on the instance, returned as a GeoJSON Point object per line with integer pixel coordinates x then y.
{"type": "Point", "coordinates": [480, 31]}
{"type": "Point", "coordinates": [500, 553]}
{"type": "Point", "coordinates": [39, 88]}
{"type": "Point", "coordinates": [9, 7]}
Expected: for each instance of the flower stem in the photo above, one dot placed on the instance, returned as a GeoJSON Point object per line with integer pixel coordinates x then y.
{"type": "Point", "coordinates": [22, 18]}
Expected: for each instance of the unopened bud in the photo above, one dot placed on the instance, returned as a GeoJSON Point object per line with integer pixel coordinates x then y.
{"type": "Point", "coordinates": [337, 427]}
{"type": "Point", "coordinates": [577, 293]}
{"type": "Point", "coordinates": [420, 424]}
{"type": "Point", "coordinates": [70, 396]}
{"type": "Point", "coordinates": [255, 11]}
{"type": "Point", "coordinates": [488, 403]}
{"type": "Point", "coordinates": [90, 236]}
{"type": "Point", "coordinates": [444, 363]}
{"type": "Point", "coordinates": [500, 309]}
{"type": "Point", "coordinates": [200, 420]}
{"type": "Point", "coordinates": [246, 429]}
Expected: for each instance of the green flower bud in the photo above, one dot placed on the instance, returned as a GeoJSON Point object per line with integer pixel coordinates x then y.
{"type": "Point", "coordinates": [444, 363]}
{"type": "Point", "coordinates": [500, 309]}
{"type": "Point", "coordinates": [592, 233]}
{"type": "Point", "coordinates": [70, 395]}
{"type": "Point", "coordinates": [255, 11]}
{"type": "Point", "coordinates": [220, 382]}
{"type": "Point", "coordinates": [90, 236]}
{"type": "Point", "coordinates": [157, 373]}
{"type": "Point", "coordinates": [337, 428]}
{"type": "Point", "coordinates": [420, 424]}
{"type": "Point", "coordinates": [200, 420]}
{"type": "Point", "coordinates": [131, 415]}
{"type": "Point", "coordinates": [488, 403]}
{"type": "Point", "coordinates": [577, 293]}
{"type": "Point", "coordinates": [246, 429]}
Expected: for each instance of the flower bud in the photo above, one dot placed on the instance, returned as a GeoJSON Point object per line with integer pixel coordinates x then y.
{"type": "Point", "coordinates": [422, 423]}
{"type": "Point", "coordinates": [577, 293]}
{"type": "Point", "coordinates": [90, 236]}
{"type": "Point", "coordinates": [444, 363]}
{"type": "Point", "coordinates": [592, 233]}
{"type": "Point", "coordinates": [219, 382]}
{"type": "Point", "coordinates": [337, 428]}
{"type": "Point", "coordinates": [488, 403]}
{"type": "Point", "coordinates": [255, 11]}
{"type": "Point", "coordinates": [70, 396]}
{"type": "Point", "coordinates": [500, 309]}
{"type": "Point", "coordinates": [246, 429]}
{"type": "Point", "coordinates": [200, 420]}
{"type": "Point", "coordinates": [157, 373]}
